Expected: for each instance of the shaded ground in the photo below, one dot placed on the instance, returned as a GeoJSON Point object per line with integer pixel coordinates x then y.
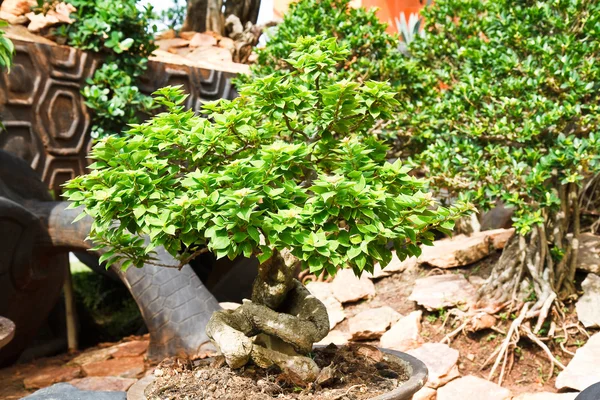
{"type": "Point", "coordinates": [528, 367]}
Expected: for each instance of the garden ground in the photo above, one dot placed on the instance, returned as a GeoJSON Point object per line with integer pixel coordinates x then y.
{"type": "Point", "coordinates": [360, 305]}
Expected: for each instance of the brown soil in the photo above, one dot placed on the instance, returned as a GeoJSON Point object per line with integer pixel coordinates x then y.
{"type": "Point", "coordinates": [351, 372]}
{"type": "Point", "coordinates": [529, 366]}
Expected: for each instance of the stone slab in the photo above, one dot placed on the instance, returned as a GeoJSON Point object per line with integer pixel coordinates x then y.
{"type": "Point", "coordinates": [64, 391]}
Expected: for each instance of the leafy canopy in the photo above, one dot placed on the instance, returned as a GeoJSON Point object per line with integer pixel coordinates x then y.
{"type": "Point", "coordinates": [288, 164]}
{"type": "Point", "coordinates": [510, 106]}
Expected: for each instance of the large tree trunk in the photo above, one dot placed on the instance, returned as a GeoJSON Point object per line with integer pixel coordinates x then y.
{"type": "Point", "coordinates": [546, 258]}
{"type": "Point", "coordinates": [210, 15]}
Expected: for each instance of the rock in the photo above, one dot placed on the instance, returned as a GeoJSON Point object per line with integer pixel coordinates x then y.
{"type": "Point", "coordinates": [19, 32]}
{"type": "Point", "coordinates": [347, 287]}
{"type": "Point", "coordinates": [227, 43]}
{"type": "Point", "coordinates": [64, 391]}
{"type": "Point", "coordinates": [404, 334]}
{"type": "Point", "coordinates": [136, 392]}
{"type": "Point", "coordinates": [336, 337]}
{"type": "Point", "coordinates": [588, 311]}
{"type": "Point", "coordinates": [13, 19]}
{"type": "Point", "coordinates": [481, 321]}
{"type": "Point", "coordinates": [323, 291]}
{"type": "Point", "coordinates": [440, 361]}
{"type": "Point", "coordinates": [187, 35]}
{"type": "Point", "coordinates": [441, 291]}
{"type": "Point", "coordinates": [203, 40]}
{"type": "Point", "coordinates": [167, 44]}
{"type": "Point", "coordinates": [168, 58]}
{"type": "Point", "coordinates": [17, 7]}
{"type": "Point", "coordinates": [498, 237]}
{"type": "Point", "coordinates": [59, 15]}
{"type": "Point", "coordinates": [210, 54]}
{"type": "Point", "coordinates": [456, 252]}
{"type": "Point", "coordinates": [371, 353]}
{"type": "Point", "coordinates": [168, 34]}
{"type": "Point", "coordinates": [425, 393]}
{"type": "Point", "coordinates": [228, 305]}
{"type": "Point", "coordinates": [583, 369]}
{"type": "Point", "coordinates": [130, 349]}
{"type": "Point", "coordinates": [588, 258]}
{"type": "Point", "coordinates": [50, 375]}
{"type": "Point", "coordinates": [127, 367]}
{"type": "Point", "coordinates": [393, 267]}
{"type": "Point", "coordinates": [93, 356]}
{"type": "Point", "coordinates": [372, 323]}
{"type": "Point", "coordinates": [7, 331]}
{"type": "Point", "coordinates": [103, 383]}
{"type": "Point", "coordinates": [476, 281]}
{"type": "Point", "coordinates": [546, 396]}
{"type": "Point", "coordinates": [472, 388]}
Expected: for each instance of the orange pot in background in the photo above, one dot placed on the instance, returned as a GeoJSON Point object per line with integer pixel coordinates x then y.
{"type": "Point", "coordinates": [389, 10]}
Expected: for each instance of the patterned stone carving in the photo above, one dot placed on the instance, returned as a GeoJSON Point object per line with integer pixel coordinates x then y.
{"type": "Point", "coordinates": [46, 121]}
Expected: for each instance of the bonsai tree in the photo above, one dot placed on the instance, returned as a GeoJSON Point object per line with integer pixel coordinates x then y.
{"type": "Point", "coordinates": [287, 172]}
{"type": "Point", "coordinates": [510, 114]}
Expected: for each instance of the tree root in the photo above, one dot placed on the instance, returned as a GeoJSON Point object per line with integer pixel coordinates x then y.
{"type": "Point", "coordinates": [501, 354]}
{"type": "Point", "coordinates": [278, 327]}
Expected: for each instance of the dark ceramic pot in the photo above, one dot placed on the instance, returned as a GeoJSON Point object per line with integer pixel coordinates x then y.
{"type": "Point", "coordinates": [416, 370]}
{"type": "Point", "coordinates": [415, 367]}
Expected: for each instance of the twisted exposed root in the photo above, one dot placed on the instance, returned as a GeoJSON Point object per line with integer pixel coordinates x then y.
{"type": "Point", "coordinates": [255, 332]}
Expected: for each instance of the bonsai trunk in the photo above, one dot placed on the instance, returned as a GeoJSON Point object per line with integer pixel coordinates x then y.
{"type": "Point", "coordinates": [547, 256]}
{"type": "Point", "coordinates": [278, 327]}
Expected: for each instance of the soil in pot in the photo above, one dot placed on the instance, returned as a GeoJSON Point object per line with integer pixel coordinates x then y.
{"type": "Point", "coordinates": [352, 372]}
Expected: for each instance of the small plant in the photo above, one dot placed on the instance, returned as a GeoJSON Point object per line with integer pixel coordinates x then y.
{"type": "Point", "coordinates": [7, 48]}
{"type": "Point", "coordinates": [287, 172]}
{"type": "Point", "coordinates": [124, 36]}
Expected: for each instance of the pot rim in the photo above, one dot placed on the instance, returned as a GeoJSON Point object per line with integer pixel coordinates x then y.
{"type": "Point", "coordinates": [418, 376]}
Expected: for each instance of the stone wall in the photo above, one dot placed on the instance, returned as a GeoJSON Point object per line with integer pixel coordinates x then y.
{"type": "Point", "coordinates": [45, 119]}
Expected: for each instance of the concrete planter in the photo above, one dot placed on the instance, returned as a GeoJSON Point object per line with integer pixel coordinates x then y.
{"type": "Point", "coordinates": [46, 121]}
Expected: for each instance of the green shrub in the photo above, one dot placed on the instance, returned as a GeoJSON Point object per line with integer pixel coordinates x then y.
{"type": "Point", "coordinates": [511, 113]}
{"type": "Point", "coordinates": [7, 48]}
{"type": "Point", "coordinates": [288, 164]}
{"type": "Point", "coordinates": [374, 53]}
{"type": "Point", "coordinates": [124, 36]}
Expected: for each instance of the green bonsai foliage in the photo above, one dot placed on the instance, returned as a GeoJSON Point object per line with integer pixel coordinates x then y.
{"type": "Point", "coordinates": [123, 34]}
{"type": "Point", "coordinates": [511, 114]}
{"type": "Point", "coordinates": [287, 165]}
